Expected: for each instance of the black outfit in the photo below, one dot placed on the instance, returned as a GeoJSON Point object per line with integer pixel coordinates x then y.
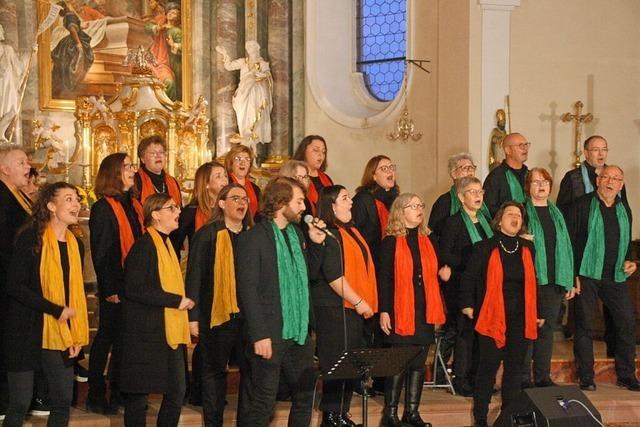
{"type": "Point", "coordinates": [158, 181]}
{"type": "Point", "coordinates": [217, 343]}
{"type": "Point", "coordinates": [259, 297]}
{"type": "Point", "coordinates": [365, 215]}
{"type": "Point", "coordinates": [107, 262]}
{"type": "Point", "coordinates": [472, 293]}
{"type": "Point", "coordinates": [455, 251]}
{"type": "Point", "coordinates": [186, 228]}
{"type": "Point", "coordinates": [614, 296]}
{"type": "Point", "coordinates": [333, 323]}
{"type": "Point", "coordinates": [440, 211]}
{"type": "Point", "coordinates": [23, 335]}
{"type": "Point", "coordinates": [149, 365]}
{"type": "Point", "coordinates": [496, 187]}
{"type": "Point", "coordinates": [423, 335]}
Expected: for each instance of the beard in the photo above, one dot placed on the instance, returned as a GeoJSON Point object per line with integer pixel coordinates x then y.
{"type": "Point", "coordinates": [291, 216]}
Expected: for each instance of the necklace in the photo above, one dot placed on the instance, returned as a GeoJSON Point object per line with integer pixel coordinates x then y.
{"type": "Point", "coordinates": [157, 189]}
{"type": "Point", "coordinates": [508, 251]}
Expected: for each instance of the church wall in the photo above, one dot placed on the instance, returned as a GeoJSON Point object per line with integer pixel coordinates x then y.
{"type": "Point", "coordinates": [564, 51]}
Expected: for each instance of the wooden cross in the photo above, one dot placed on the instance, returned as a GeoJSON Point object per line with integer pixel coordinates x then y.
{"type": "Point", "coordinates": [579, 120]}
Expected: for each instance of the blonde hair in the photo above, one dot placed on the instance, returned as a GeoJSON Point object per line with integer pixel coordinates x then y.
{"type": "Point", "coordinates": [396, 225]}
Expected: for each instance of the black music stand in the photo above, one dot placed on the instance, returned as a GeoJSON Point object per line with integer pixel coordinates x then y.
{"type": "Point", "coordinates": [365, 363]}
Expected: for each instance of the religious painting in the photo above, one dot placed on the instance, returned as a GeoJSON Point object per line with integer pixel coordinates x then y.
{"type": "Point", "coordinates": [82, 53]}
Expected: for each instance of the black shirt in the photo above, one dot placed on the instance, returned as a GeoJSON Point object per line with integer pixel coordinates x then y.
{"type": "Point", "coordinates": [549, 231]}
{"type": "Point", "coordinates": [611, 240]}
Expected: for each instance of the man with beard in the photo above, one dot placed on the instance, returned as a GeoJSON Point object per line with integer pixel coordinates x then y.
{"type": "Point", "coordinates": [273, 287]}
{"type": "Point", "coordinates": [506, 181]}
{"type": "Point", "coordinates": [600, 230]}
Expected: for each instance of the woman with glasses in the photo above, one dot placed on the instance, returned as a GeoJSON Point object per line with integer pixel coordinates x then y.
{"type": "Point", "coordinates": [238, 162]}
{"type": "Point", "coordinates": [410, 302]}
{"type": "Point", "coordinates": [498, 292]}
{"type": "Point", "coordinates": [343, 295]}
{"type": "Point", "coordinates": [216, 318]}
{"type": "Point", "coordinates": [115, 224]}
{"type": "Point", "coordinates": [210, 178]}
{"type": "Point", "coordinates": [156, 324]}
{"type": "Point", "coordinates": [460, 232]}
{"type": "Point", "coordinates": [554, 270]}
{"type": "Point", "coordinates": [313, 151]}
{"type": "Point", "coordinates": [151, 178]}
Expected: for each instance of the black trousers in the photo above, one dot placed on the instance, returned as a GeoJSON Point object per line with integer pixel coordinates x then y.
{"type": "Point", "coordinates": [330, 343]}
{"type": "Point", "coordinates": [108, 337]}
{"type": "Point", "coordinates": [216, 345]}
{"type": "Point", "coordinates": [489, 358]}
{"type": "Point", "coordinates": [296, 363]}
{"type": "Point", "coordinates": [540, 351]}
{"type": "Point", "coordinates": [452, 326]}
{"type": "Point", "coordinates": [466, 351]}
{"type": "Point", "coordinates": [59, 378]}
{"type": "Point", "coordinates": [169, 414]}
{"type": "Point", "coordinates": [616, 297]}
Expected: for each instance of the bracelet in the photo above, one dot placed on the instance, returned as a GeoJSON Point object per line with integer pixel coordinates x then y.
{"type": "Point", "coordinates": [358, 303]}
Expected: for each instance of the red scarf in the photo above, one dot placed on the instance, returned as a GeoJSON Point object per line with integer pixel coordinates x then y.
{"type": "Point", "coordinates": [251, 194]}
{"type": "Point", "coordinates": [361, 275]}
{"type": "Point", "coordinates": [124, 227]}
{"type": "Point", "coordinates": [404, 304]}
{"type": "Point", "coordinates": [491, 320]}
{"type": "Point", "coordinates": [201, 218]}
{"type": "Point", "coordinates": [148, 189]}
{"type": "Point", "coordinates": [383, 217]}
{"type": "Point", "coordinates": [312, 192]}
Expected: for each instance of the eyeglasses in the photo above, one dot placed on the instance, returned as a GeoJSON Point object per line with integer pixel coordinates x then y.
{"type": "Point", "coordinates": [522, 146]}
{"type": "Point", "coordinates": [415, 206]}
{"type": "Point", "coordinates": [302, 177]}
{"type": "Point", "coordinates": [171, 208]}
{"type": "Point", "coordinates": [610, 178]}
{"type": "Point", "coordinates": [598, 150]}
{"type": "Point", "coordinates": [474, 192]}
{"type": "Point", "coordinates": [155, 153]}
{"type": "Point", "coordinates": [387, 168]}
{"type": "Point", "coordinates": [130, 166]}
{"type": "Point", "coordinates": [238, 199]}
{"type": "Point", "coordinates": [239, 159]}
{"type": "Point", "coordinates": [467, 168]}
{"type": "Point", "coordinates": [541, 183]}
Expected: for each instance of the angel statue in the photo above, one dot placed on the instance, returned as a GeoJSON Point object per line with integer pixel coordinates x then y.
{"type": "Point", "coordinates": [252, 100]}
{"type": "Point", "coordinates": [100, 106]}
{"type": "Point", "coordinates": [44, 137]}
{"type": "Point", "coordinates": [198, 109]}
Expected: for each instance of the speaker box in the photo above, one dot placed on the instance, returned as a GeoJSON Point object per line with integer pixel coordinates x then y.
{"type": "Point", "coordinates": [550, 407]}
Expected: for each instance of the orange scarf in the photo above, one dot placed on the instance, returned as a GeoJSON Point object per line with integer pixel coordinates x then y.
{"type": "Point", "coordinates": [251, 194]}
{"type": "Point", "coordinates": [312, 192]}
{"type": "Point", "coordinates": [361, 275]}
{"type": "Point", "coordinates": [383, 217]}
{"type": "Point", "coordinates": [404, 304]}
{"type": "Point", "coordinates": [492, 320]}
{"type": "Point", "coordinates": [124, 227]}
{"type": "Point", "coordinates": [148, 188]}
{"type": "Point", "coordinates": [201, 218]}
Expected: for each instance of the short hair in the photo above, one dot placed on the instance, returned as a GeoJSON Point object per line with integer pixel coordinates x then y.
{"type": "Point", "coordinates": [367, 182]}
{"type": "Point", "coordinates": [592, 138]}
{"type": "Point", "coordinates": [217, 214]}
{"type": "Point", "coordinates": [290, 167]}
{"type": "Point", "coordinates": [154, 203]}
{"type": "Point", "coordinates": [200, 195]}
{"type": "Point", "coordinates": [495, 222]}
{"type": "Point", "coordinates": [396, 225]}
{"type": "Point", "coordinates": [326, 199]}
{"type": "Point", "coordinates": [5, 150]}
{"type": "Point", "coordinates": [466, 181]}
{"type": "Point", "coordinates": [542, 171]}
{"type": "Point", "coordinates": [146, 142]}
{"type": "Point", "coordinates": [613, 166]}
{"type": "Point", "coordinates": [233, 152]}
{"type": "Point", "coordinates": [109, 177]}
{"type": "Point", "coordinates": [302, 149]}
{"type": "Point", "coordinates": [277, 193]}
{"type": "Point", "coordinates": [452, 163]}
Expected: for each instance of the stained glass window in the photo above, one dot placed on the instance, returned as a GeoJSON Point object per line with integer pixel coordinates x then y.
{"type": "Point", "coordinates": [382, 41]}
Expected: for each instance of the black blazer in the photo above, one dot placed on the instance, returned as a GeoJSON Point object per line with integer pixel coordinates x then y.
{"type": "Point", "coordinates": [440, 211]}
{"type": "Point", "coordinates": [258, 284]}
{"type": "Point", "coordinates": [455, 247]}
{"type": "Point", "coordinates": [497, 189]}
{"type": "Point", "coordinates": [12, 217]}
{"type": "Point", "coordinates": [365, 216]}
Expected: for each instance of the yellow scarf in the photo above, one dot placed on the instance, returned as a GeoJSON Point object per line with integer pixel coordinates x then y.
{"type": "Point", "coordinates": [224, 281]}
{"type": "Point", "coordinates": [22, 199]}
{"type": "Point", "coordinates": [176, 322]}
{"type": "Point", "coordinates": [58, 335]}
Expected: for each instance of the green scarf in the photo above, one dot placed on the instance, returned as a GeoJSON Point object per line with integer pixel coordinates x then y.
{"type": "Point", "coordinates": [593, 257]}
{"type": "Point", "coordinates": [294, 289]}
{"type": "Point", "coordinates": [515, 188]}
{"type": "Point", "coordinates": [456, 205]}
{"type": "Point", "coordinates": [471, 228]}
{"type": "Point", "coordinates": [563, 250]}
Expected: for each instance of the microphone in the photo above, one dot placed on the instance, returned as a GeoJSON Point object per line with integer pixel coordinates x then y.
{"type": "Point", "coordinates": [309, 220]}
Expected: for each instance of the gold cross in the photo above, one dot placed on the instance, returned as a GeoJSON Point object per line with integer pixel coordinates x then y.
{"type": "Point", "coordinates": [579, 120]}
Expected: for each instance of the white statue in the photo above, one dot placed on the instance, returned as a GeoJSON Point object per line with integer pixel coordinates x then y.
{"type": "Point", "coordinates": [44, 136]}
{"type": "Point", "coordinates": [198, 109]}
{"type": "Point", "coordinates": [100, 106]}
{"type": "Point", "coordinates": [12, 68]}
{"type": "Point", "coordinates": [252, 101]}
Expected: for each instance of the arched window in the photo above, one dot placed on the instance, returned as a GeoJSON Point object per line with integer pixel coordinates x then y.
{"type": "Point", "coordinates": [382, 44]}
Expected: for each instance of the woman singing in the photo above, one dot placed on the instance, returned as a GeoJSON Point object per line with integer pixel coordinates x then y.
{"type": "Point", "coordinates": [410, 302]}
{"type": "Point", "coordinates": [313, 151]}
{"type": "Point", "coordinates": [238, 162]}
{"type": "Point", "coordinates": [498, 291]}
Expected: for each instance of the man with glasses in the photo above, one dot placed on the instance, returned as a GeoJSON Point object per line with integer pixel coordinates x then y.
{"type": "Point", "coordinates": [506, 181]}
{"type": "Point", "coordinates": [600, 229]}
{"type": "Point", "coordinates": [151, 177]}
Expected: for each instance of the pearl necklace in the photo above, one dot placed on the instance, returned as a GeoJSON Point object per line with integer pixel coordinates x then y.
{"type": "Point", "coordinates": [508, 251]}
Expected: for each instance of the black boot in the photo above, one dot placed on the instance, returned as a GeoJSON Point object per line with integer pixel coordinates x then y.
{"type": "Point", "coordinates": [331, 419]}
{"type": "Point", "coordinates": [392, 390]}
{"type": "Point", "coordinates": [415, 382]}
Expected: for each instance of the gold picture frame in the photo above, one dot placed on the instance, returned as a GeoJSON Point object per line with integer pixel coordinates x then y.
{"type": "Point", "coordinates": [103, 76]}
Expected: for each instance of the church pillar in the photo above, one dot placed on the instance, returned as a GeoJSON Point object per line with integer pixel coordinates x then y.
{"type": "Point", "coordinates": [279, 48]}
{"type": "Point", "coordinates": [496, 43]}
